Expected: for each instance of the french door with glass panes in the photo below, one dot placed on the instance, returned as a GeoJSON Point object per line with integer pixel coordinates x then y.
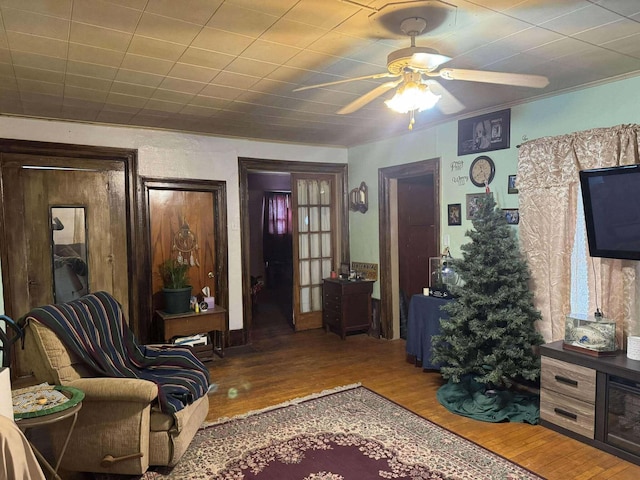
{"type": "Point", "coordinates": [313, 245]}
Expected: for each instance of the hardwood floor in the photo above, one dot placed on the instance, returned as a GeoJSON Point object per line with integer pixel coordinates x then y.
{"type": "Point", "coordinates": [289, 365]}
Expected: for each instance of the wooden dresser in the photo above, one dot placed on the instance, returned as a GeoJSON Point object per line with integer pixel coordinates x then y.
{"type": "Point", "coordinates": [346, 305]}
{"type": "Point", "coordinates": [592, 399]}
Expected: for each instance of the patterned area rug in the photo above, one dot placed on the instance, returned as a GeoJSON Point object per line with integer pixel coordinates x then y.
{"type": "Point", "coordinates": [344, 434]}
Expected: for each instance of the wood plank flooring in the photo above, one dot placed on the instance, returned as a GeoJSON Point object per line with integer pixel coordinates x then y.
{"type": "Point", "coordinates": [287, 365]}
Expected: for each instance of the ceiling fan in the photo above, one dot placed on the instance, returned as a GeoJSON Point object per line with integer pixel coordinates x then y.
{"type": "Point", "coordinates": [413, 70]}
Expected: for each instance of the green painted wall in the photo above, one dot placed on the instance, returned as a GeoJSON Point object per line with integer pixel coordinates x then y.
{"type": "Point", "coordinates": [601, 106]}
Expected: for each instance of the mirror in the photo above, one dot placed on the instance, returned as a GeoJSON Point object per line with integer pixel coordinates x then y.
{"type": "Point", "coordinates": [69, 253]}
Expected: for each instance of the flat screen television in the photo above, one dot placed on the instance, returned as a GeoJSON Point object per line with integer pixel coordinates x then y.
{"type": "Point", "coordinates": [611, 199]}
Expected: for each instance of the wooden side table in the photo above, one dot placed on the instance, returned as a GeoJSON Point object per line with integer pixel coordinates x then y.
{"type": "Point", "coordinates": [213, 321]}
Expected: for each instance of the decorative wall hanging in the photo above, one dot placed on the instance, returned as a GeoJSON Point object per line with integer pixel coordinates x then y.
{"type": "Point", "coordinates": [484, 133]}
{"type": "Point", "coordinates": [359, 199]}
{"type": "Point", "coordinates": [186, 244]}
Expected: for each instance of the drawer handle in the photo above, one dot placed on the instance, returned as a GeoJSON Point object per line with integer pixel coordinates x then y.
{"type": "Point", "coordinates": [566, 381]}
{"type": "Point", "coordinates": [566, 414]}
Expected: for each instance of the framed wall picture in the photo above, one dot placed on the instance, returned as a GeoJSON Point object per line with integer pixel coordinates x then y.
{"type": "Point", "coordinates": [484, 132]}
{"type": "Point", "coordinates": [454, 213]}
{"type": "Point", "coordinates": [512, 215]}
{"type": "Point", "coordinates": [511, 186]}
{"type": "Point", "coordinates": [473, 200]}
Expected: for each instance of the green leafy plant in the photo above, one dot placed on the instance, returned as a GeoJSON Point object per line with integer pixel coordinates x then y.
{"type": "Point", "coordinates": [174, 274]}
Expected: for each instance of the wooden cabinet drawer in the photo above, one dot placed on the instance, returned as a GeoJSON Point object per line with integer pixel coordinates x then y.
{"type": "Point", "coordinates": [568, 379]}
{"type": "Point", "coordinates": [331, 318]}
{"type": "Point", "coordinates": [570, 413]}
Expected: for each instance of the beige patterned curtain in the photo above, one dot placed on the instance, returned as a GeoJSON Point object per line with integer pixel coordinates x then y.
{"type": "Point", "coordinates": [548, 185]}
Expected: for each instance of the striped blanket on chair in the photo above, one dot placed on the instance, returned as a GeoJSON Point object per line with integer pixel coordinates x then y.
{"type": "Point", "coordinates": [94, 328]}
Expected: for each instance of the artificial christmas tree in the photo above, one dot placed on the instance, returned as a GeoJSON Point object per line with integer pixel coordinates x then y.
{"type": "Point", "coordinates": [490, 335]}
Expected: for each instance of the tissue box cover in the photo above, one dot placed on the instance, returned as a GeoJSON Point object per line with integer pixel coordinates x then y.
{"type": "Point", "coordinates": [590, 332]}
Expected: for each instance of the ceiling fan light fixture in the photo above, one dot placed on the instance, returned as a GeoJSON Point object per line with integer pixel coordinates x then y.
{"type": "Point", "coordinates": [412, 96]}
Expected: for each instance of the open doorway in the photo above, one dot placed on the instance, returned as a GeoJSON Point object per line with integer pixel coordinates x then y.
{"type": "Point", "coordinates": [409, 223]}
{"type": "Point", "coordinates": [271, 263]}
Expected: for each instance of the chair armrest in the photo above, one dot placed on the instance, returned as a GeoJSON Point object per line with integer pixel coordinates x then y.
{"type": "Point", "coordinates": [116, 389]}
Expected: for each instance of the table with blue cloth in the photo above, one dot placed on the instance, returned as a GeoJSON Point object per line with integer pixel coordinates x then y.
{"type": "Point", "coordinates": [422, 324]}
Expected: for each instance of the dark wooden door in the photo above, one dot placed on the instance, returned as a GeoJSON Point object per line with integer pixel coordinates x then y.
{"type": "Point", "coordinates": [417, 232]}
{"type": "Point", "coordinates": [32, 185]}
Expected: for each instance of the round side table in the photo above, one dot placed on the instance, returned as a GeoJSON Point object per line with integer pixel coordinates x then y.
{"type": "Point", "coordinates": [39, 417]}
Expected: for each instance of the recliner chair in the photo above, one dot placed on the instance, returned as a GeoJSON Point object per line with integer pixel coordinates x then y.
{"type": "Point", "coordinates": [120, 428]}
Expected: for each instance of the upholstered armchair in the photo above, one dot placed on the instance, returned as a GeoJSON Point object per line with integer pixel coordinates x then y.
{"type": "Point", "coordinates": [120, 428]}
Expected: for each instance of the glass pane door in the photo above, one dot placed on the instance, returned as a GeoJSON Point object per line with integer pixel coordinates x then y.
{"type": "Point", "coordinates": [313, 252]}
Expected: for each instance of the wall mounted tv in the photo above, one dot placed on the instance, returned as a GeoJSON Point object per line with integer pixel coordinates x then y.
{"type": "Point", "coordinates": [611, 198]}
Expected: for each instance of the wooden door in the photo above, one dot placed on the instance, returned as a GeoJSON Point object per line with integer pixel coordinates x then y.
{"type": "Point", "coordinates": [417, 239]}
{"type": "Point", "coordinates": [314, 225]}
{"type": "Point", "coordinates": [35, 184]}
{"type": "Point", "coordinates": [185, 220]}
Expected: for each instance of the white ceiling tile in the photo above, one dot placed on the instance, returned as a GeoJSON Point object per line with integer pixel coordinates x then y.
{"type": "Point", "coordinates": [42, 87]}
{"type": "Point", "coordinates": [90, 54]}
{"type": "Point", "coordinates": [99, 37]}
{"type": "Point", "coordinates": [296, 34]}
{"type": "Point", "coordinates": [54, 8]}
{"type": "Point", "coordinates": [39, 62]}
{"type": "Point", "coordinates": [220, 41]}
{"type": "Point", "coordinates": [150, 47]}
{"type": "Point", "coordinates": [586, 18]}
{"type": "Point", "coordinates": [139, 78]}
{"type": "Point", "coordinates": [35, 24]}
{"type": "Point", "coordinates": [198, 110]}
{"type": "Point", "coordinates": [146, 64]}
{"type": "Point", "coordinates": [184, 86]}
{"type": "Point", "coordinates": [172, 96]}
{"type": "Point", "coordinates": [235, 80]}
{"type": "Point", "coordinates": [270, 52]}
{"type": "Point", "coordinates": [609, 32]}
{"type": "Point", "coordinates": [133, 89]}
{"type": "Point", "coordinates": [105, 14]}
{"type": "Point", "coordinates": [253, 68]}
{"type": "Point", "coordinates": [210, 102]}
{"type": "Point", "coordinates": [85, 93]}
{"type": "Point", "coordinates": [206, 58]}
{"type": "Point", "coordinates": [252, 24]}
{"type": "Point", "coordinates": [623, 7]}
{"type": "Point", "coordinates": [536, 12]}
{"type": "Point", "coordinates": [168, 29]}
{"type": "Point", "coordinates": [319, 13]}
{"type": "Point", "coordinates": [91, 70]}
{"type": "Point", "coordinates": [87, 82]}
{"type": "Point", "coordinates": [271, 7]}
{"type": "Point", "coordinates": [193, 72]}
{"type": "Point", "coordinates": [628, 45]}
{"type": "Point", "coordinates": [220, 91]}
{"type": "Point", "coordinates": [23, 42]}
{"type": "Point", "coordinates": [194, 11]}
{"type": "Point", "coordinates": [127, 100]}
{"type": "Point", "coordinates": [114, 117]}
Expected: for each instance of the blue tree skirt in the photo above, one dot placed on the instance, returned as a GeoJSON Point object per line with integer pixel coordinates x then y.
{"type": "Point", "coordinates": [468, 398]}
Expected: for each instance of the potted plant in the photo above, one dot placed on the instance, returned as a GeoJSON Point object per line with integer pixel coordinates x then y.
{"type": "Point", "coordinates": [177, 290]}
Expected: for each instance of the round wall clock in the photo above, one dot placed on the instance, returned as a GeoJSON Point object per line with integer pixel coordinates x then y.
{"type": "Point", "coordinates": [482, 171]}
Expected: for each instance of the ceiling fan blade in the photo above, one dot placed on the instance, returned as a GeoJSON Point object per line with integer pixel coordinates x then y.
{"type": "Point", "coordinates": [427, 61]}
{"type": "Point", "coordinates": [517, 79]}
{"type": "Point", "coordinates": [337, 82]}
{"type": "Point", "coordinates": [447, 104]}
{"type": "Point", "coordinates": [360, 102]}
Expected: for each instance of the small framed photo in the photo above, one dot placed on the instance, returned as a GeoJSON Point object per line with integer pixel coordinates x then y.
{"type": "Point", "coordinates": [473, 204]}
{"type": "Point", "coordinates": [511, 186]}
{"type": "Point", "coordinates": [454, 213]}
{"type": "Point", "coordinates": [512, 215]}
{"type": "Point", "coordinates": [484, 133]}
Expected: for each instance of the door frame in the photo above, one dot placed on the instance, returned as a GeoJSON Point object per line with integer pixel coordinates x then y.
{"type": "Point", "coordinates": [254, 165]}
{"type": "Point", "coordinates": [129, 158]}
{"type": "Point", "coordinates": [219, 190]}
{"type": "Point", "coordinates": [388, 235]}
